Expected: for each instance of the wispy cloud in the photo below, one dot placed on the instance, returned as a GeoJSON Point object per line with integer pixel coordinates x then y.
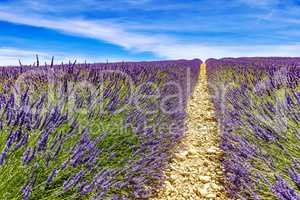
{"type": "Point", "coordinates": [139, 37]}
{"type": "Point", "coordinates": [65, 7]}
{"type": "Point", "coordinates": [205, 52]}
{"type": "Point", "coordinates": [92, 29]}
{"type": "Point", "coordinates": [260, 2]}
{"type": "Point", "coordinates": [163, 46]}
{"type": "Point", "coordinates": [11, 56]}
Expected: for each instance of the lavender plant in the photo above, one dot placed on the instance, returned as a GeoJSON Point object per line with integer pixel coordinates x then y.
{"type": "Point", "coordinates": [258, 110]}
{"type": "Point", "coordinates": [90, 131]}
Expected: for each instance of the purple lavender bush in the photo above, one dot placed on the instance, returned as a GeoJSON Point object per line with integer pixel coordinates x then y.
{"type": "Point", "coordinates": [90, 131]}
{"type": "Point", "coordinates": [257, 102]}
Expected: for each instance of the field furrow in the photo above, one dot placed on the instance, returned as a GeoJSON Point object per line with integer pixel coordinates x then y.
{"type": "Point", "coordinates": [195, 171]}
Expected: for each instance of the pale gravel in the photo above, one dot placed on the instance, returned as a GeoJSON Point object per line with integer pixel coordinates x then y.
{"type": "Point", "coordinates": [195, 171]}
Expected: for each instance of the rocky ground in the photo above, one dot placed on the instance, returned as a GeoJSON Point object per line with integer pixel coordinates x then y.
{"type": "Point", "coordinates": [195, 171]}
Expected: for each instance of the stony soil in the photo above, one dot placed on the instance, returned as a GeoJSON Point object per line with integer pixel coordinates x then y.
{"type": "Point", "coordinates": [195, 171]}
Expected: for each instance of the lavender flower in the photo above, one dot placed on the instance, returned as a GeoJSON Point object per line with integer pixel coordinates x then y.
{"type": "Point", "coordinates": [51, 176]}
{"type": "Point", "coordinates": [283, 191]}
{"type": "Point", "coordinates": [26, 191]}
{"type": "Point", "coordinates": [73, 180]}
{"type": "Point", "coordinates": [294, 176]}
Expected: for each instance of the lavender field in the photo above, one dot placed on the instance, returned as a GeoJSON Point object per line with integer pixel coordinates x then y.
{"type": "Point", "coordinates": [257, 104]}
{"type": "Point", "coordinates": [224, 129]}
{"type": "Point", "coordinates": [90, 131]}
{"type": "Point", "coordinates": [149, 100]}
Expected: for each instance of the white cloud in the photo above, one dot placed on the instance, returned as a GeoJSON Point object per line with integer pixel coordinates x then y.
{"type": "Point", "coordinates": [92, 29]}
{"type": "Point", "coordinates": [65, 7]}
{"type": "Point", "coordinates": [161, 45]}
{"type": "Point", "coordinates": [11, 57]}
{"type": "Point", "coordinates": [260, 2]}
{"type": "Point", "coordinates": [205, 52]}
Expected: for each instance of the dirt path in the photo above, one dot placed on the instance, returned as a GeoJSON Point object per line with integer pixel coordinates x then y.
{"type": "Point", "coordinates": [195, 171]}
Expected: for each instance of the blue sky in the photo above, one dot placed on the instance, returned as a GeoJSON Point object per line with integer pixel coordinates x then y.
{"type": "Point", "coordinates": [115, 30]}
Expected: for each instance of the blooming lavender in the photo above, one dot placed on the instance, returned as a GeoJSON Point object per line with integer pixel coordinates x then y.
{"type": "Point", "coordinates": [258, 114]}
{"type": "Point", "coordinates": [294, 176]}
{"type": "Point", "coordinates": [283, 191]}
{"type": "Point", "coordinates": [90, 131]}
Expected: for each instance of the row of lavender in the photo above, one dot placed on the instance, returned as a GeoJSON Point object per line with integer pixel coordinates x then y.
{"type": "Point", "coordinates": [257, 102]}
{"type": "Point", "coordinates": [90, 131]}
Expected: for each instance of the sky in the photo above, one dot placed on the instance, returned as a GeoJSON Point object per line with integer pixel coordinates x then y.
{"type": "Point", "coordinates": [134, 30]}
